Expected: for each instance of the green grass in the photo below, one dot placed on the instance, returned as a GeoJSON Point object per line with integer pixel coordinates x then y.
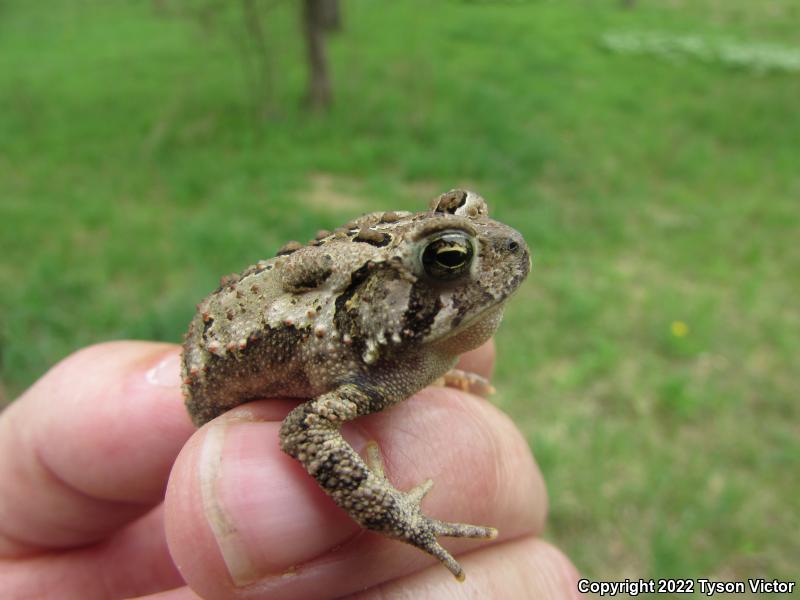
{"type": "Point", "coordinates": [134, 172]}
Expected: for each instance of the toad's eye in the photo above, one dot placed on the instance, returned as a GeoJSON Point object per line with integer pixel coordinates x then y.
{"type": "Point", "coordinates": [447, 256]}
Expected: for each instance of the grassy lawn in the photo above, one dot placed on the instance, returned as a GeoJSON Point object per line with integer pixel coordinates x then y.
{"type": "Point", "coordinates": [652, 359]}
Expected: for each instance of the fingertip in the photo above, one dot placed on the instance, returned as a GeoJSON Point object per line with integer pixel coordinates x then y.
{"type": "Point", "coordinates": [88, 447]}
{"type": "Point", "coordinates": [110, 419]}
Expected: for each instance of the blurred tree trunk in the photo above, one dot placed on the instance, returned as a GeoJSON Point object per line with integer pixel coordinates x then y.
{"type": "Point", "coordinates": [331, 15]}
{"type": "Point", "coordinates": [319, 16]}
{"type": "Point", "coordinates": [246, 24]}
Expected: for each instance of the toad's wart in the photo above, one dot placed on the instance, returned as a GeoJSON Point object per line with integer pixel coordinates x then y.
{"type": "Point", "coordinates": [356, 321]}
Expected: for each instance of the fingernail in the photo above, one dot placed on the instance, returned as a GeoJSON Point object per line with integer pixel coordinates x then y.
{"type": "Point", "coordinates": [236, 558]}
{"type": "Point", "coordinates": [266, 513]}
{"type": "Point", "coordinates": [167, 373]}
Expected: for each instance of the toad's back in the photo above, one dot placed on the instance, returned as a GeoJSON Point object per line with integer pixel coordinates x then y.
{"type": "Point", "coordinates": [267, 332]}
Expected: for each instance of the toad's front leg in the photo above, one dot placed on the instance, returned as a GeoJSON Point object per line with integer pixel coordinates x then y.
{"type": "Point", "coordinates": [310, 433]}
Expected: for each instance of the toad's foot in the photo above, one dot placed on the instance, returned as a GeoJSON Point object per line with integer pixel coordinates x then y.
{"type": "Point", "coordinates": [420, 530]}
{"type": "Point", "coordinates": [409, 524]}
{"type": "Point", "coordinates": [472, 383]}
{"type": "Point", "coordinates": [311, 434]}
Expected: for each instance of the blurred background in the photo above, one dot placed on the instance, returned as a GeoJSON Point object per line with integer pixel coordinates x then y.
{"type": "Point", "coordinates": [649, 151]}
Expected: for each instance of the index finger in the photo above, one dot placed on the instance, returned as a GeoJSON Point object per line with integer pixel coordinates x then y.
{"type": "Point", "coordinates": [88, 448]}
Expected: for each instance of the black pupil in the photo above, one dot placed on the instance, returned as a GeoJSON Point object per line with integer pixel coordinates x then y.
{"type": "Point", "coordinates": [447, 257]}
{"type": "Point", "coordinates": [451, 257]}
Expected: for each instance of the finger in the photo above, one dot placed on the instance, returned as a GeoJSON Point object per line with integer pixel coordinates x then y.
{"type": "Point", "coordinates": [479, 361]}
{"type": "Point", "coordinates": [89, 447]}
{"type": "Point", "coordinates": [182, 593]}
{"type": "Point", "coordinates": [524, 568]}
{"type": "Point", "coordinates": [242, 516]}
{"type": "Point", "coordinates": [132, 562]}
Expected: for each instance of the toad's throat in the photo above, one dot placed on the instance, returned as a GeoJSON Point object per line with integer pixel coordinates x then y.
{"type": "Point", "coordinates": [472, 332]}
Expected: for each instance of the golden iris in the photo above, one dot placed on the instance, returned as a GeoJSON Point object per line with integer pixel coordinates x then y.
{"type": "Point", "coordinates": [447, 256]}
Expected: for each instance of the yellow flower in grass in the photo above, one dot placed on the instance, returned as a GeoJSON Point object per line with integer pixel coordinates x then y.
{"type": "Point", "coordinates": [679, 329]}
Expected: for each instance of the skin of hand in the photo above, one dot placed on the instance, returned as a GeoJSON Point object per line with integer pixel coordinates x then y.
{"type": "Point", "coordinates": [108, 491]}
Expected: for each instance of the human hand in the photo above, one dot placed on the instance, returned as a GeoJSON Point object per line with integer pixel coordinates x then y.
{"type": "Point", "coordinates": [89, 452]}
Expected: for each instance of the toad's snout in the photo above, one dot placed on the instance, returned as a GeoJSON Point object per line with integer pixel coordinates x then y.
{"type": "Point", "coordinates": [509, 248]}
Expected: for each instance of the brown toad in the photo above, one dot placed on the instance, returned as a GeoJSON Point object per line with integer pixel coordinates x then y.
{"type": "Point", "coordinates": [356, 321]}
